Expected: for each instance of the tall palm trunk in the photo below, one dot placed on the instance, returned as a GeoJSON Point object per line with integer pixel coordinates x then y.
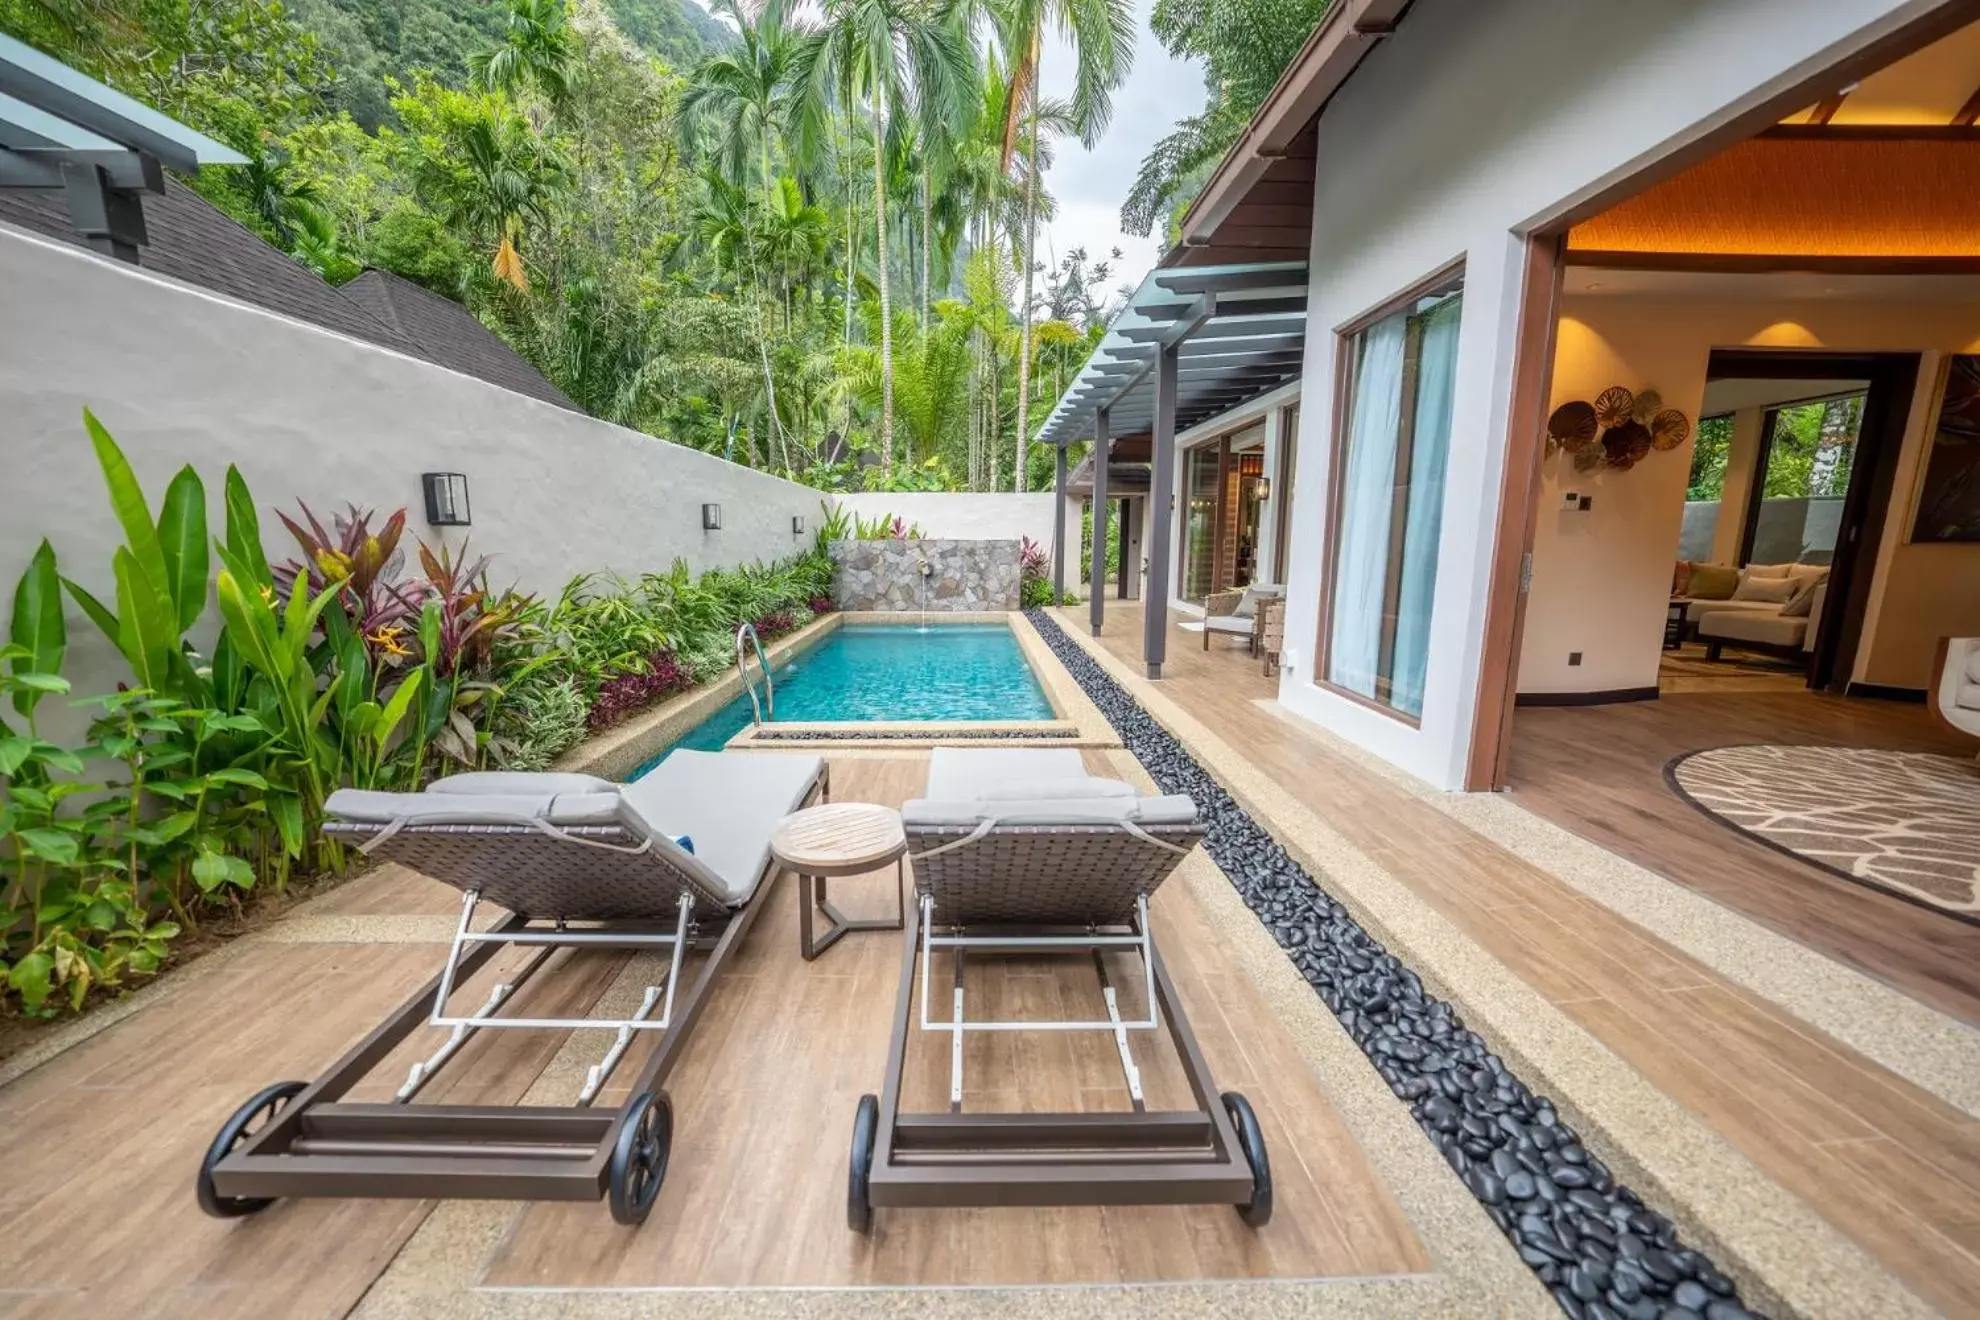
{"type": "Point", "coordinates": [886, 301]}
{"type": "Point", "coordinates": [927, 232]}
{"type": "Point", "coordinates": [1030, 237]}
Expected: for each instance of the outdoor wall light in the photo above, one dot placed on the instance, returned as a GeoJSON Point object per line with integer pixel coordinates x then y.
{"type": "Point", "coordinates": [1263, 490]}
{"type": "Point", "coordinates": [446, 498]}
{"type": "Point", "coordinates": [797, 524]}
{"type": "Point", "coordinates": [711, 517]}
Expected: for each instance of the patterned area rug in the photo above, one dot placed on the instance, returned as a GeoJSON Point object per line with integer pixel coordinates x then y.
{"type": "Point", "coordinates": [1905, 822]}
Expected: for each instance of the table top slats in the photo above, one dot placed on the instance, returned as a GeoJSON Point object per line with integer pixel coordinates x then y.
{"type": "Point", "coordinates": [839, 838]}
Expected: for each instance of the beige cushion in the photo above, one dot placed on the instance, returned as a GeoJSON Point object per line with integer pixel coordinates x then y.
{"type": "Point", "coordinates": [1696, 610]}
{"type": "Point", "coordinates": [1808, 575]}
{"type": "Point", "coordinates": [435, 808]}
{"type": "Point", "coordinates": [1229, 623]}
{"type": "Point", "coordinates": [1767, 570]}
{"type": "Point", "coordinates": [1051, 789]}
{"type": "Point", "coordinates": [1023, 786]}
{"type": "Point", "coordinates": [727, 802]}
{"type": "Point", "coordinates": [1773, 589]}
{"type": "Point", "coordinates": [1749, 626]}
{"type": "Point", "coordinates": [1797, 605]}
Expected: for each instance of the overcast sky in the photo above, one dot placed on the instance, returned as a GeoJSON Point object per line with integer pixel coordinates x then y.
{"type": "Point", "coordinates": [1090, 185]}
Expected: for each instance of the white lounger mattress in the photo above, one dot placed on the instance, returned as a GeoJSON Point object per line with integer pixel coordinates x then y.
{"type": "Point", "coordinates": [1032, 786]}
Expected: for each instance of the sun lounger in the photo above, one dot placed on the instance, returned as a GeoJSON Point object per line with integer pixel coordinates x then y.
{"type": "Point", "coordinates": [681, 857]}
{"type": "Point", "coordinates": [1019, 851]}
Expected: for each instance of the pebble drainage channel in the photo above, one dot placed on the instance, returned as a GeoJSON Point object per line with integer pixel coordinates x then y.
{"type": "Point", "coordinates": [1592, 1241]}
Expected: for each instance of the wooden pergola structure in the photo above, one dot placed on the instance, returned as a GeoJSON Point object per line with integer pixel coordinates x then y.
{"type": "Point", "coordinates": [1194, 342]}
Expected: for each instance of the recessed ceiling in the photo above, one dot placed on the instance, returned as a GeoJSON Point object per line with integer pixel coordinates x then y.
{"type": "Point", "coordinates": [1771, 286]}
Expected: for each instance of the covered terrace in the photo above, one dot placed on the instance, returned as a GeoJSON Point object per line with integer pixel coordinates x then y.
{"type": "Point", "coordinates": [1193, 343]}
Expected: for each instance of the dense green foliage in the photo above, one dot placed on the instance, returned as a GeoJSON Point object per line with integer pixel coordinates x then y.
{"type": "Point", "coordinates": [203, 778]}
{"type": "Point", "coordinates": [794, 241]}
{"type": "Point", "coordinates": [1811, 453]}
{"type": "Point", "coordinates": [1245, 46]}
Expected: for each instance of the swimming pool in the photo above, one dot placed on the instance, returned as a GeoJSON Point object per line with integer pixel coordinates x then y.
{"type": "Point", "coordinates": [865, 672]}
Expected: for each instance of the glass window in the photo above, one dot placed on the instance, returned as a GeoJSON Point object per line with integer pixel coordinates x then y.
{"type": "Point", "coordinates": [1389, 499]}
{"type": "Point", "coordinates": [1199, 521]}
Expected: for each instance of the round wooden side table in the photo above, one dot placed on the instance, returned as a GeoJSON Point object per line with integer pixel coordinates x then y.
{"type": "Point", "coordinates": [839, 839]}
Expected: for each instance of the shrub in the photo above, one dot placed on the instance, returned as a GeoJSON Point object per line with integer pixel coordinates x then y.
{"type": "Point", "coordinates": [619, 697]}
{"type": "Point", "coordinates": [542, 719]}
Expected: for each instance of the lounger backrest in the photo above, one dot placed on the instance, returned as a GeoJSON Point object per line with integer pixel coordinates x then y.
{"type": "Point", "coordinates": [582, 858]}
{"type": "Point", "coordinates": [1045, 862]}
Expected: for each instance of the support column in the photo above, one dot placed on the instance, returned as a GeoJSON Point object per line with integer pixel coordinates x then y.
{"type": "Point", "coordinates": [1161, 495]}
{"type": "Point", "coordinates": [1059, 525]}
{"type": "Point", "coordinates": [1097, 578]}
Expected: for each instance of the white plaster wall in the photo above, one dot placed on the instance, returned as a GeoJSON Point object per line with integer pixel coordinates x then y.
{"type": "Point", "coordinates": [968, 516]}
{"type": "Point", "coordinates": [1601, 577]}
{"type": "Point", "coordinates": [1477, 119]}
{"type": "Point", "coordinates": [179, 375]}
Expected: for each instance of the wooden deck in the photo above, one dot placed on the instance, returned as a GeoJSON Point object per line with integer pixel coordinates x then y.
{"type": "Point", "coordinates": [100, 1144]}
{"type": "Point", "coordinates": [1887, 1163]}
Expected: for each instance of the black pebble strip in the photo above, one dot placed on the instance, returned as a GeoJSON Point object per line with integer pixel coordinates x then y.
{"type": "Point", "coordinates": [1603, 1253]}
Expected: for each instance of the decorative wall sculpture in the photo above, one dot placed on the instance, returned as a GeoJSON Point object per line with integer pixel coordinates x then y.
{"type": "Point", "coordinates": [1617, 431]}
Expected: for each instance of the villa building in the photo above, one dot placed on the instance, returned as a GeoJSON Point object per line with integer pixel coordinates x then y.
{"type": "Point", "coordinates": [1452, 223]}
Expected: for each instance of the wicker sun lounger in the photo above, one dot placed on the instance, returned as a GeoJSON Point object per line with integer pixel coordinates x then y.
{"type": "Point", "coordinates": [679, 858]}
{"type": "Point", "coordinates": [1018, 851]}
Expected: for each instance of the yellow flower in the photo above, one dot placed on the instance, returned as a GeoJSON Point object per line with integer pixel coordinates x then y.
{"type": "Point", "coordinates": [335, 565]}
{"type": "Point", "coordinates": [387, 640]}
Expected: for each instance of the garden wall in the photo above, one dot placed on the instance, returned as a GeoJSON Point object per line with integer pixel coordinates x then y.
{"type": "Point", "coordinates": [967, 516]}
{"type": "Point", "coordinates": [180, 375]}
{"type": "Point", "coordinates": [944, 576]}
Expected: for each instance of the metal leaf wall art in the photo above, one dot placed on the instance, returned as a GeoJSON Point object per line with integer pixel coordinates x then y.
{"type": "Point", "coordinates": [1617, 430]}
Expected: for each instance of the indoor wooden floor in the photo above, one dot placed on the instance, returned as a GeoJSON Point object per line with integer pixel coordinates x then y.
{"type": "Point", "coordinates": [100, 1144]}
{"type": "Point", "coordinates": [1887, 1163]}
{"type": "Point", "coordinates": [1599, 771]}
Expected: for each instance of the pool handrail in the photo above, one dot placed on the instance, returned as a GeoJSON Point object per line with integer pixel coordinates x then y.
{"type": "Point", "coordinates": [768, 706]}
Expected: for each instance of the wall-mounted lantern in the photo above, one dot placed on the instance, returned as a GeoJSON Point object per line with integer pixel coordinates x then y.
{"type": "Point", "coordinates": [797, 524]}
{"type": "Point", "coordinates": [446, 498]}
{"type": "Point", "coordinates": [1263, 490]}
{"type": "Point", "coordinates": [711, 517]}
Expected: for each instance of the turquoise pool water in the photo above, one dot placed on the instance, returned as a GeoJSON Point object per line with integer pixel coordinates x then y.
{"type": "Point", "coordinates": [946, 672]}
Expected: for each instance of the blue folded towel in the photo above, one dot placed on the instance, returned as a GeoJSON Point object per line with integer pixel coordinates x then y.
{"type": "Point", "coordinates": [685, 843]}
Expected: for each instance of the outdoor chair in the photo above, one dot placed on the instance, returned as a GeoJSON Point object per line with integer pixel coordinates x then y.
{"type": "Point", "coordinates": [680, 857]}
{"type": "Point", "coordinates": [1237, 614]}
{"type": "Point", "coordinates": [1019, 852]}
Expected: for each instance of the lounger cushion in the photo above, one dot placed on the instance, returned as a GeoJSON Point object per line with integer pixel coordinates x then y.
{"type": "Point", "coordinates": [435, 808]}
{"type": "Point", "coordinates": [961, 773]}
{"type": "Point", "coordinates": [1056, 790]}
{"type": "Point", "coordinates": [1169, 810]}
{"type": "Point", "coordinates": [503, 782]}
{"type": "Point", "coordinates": [727, 802]}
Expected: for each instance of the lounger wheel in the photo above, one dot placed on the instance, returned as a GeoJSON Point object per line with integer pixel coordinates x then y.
{"type": "Point", "coordinates": [859, 1177]}
{"type": "Point", "coordinates": [639, 1159]}
{"type": "Point", "coordinates": [249, 1119]}
{"type": "Point", "coordinates": [1257, 1212]}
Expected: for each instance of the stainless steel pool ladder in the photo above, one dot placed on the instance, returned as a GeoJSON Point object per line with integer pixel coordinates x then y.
{"type": "Point", "coordinates": [767, 707]}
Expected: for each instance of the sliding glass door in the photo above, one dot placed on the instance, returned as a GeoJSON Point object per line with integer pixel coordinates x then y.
{"type": "Point", "coordinates": [1389, 500]}
{"type": "Point", "coordinates": [1200, 495]}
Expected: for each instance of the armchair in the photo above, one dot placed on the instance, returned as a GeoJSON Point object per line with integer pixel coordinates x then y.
{"type": "Point", "coordinates": [1955, 690]}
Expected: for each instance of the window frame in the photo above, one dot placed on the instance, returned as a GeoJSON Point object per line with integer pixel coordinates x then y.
{"type": "Point", "coordinates": [1341, 414]}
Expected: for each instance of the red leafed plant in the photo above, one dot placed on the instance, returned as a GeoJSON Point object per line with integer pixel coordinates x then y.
{"type": "Point", "coordinates": [620, 696]}
{"type": "Point", "coordinates": [367, 563]}
{"type": "Point", "coordinates": [471, 617]}
{"type": "Point", "coordinates": [822, 605]}
{"type": "Point", "coordinates": [1031, 558]}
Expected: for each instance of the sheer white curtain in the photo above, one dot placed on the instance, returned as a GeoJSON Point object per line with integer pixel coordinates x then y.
{"type": "Point", "coordinates": [1361, 563]}
{"type": "Point", "coordinates": [1429, 448]}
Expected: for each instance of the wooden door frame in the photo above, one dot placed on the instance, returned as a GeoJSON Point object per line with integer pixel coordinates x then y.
{"type": "Point", "coordinates": [1489, 759]}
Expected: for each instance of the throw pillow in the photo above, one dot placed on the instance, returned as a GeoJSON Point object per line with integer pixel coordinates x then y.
{"type": "Point", "coordinates": [1713, 582]}
{"type": "Point", "coordinates": [1808, 574]}
{"type": "Point", "coordinates": [1767, 590]}
{"type": "Point", "coordinates": [1799, 604]}
{"type": "Point", "coordinates": [1681, 578]}
{"type": "Point", "coordinates": [1768, 570]}
{"type": "Point", "coordinates": [1973, 665]}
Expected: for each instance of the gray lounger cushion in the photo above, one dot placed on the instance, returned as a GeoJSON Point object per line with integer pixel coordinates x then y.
{"type": "Point", "coordinates": [727, 802]}
{"type": "Point", "coordinates": [1023, 786]}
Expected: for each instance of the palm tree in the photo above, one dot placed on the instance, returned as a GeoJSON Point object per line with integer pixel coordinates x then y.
{"type": "Point", "coordinates": [535, 50]}
{"type": "Point", "coordinates": [740, 94]}
{"type": "Point", "coordinates": [794, 236]}
{"type": "Point", "coordinates": [492, 176]}
{"type": "Point", "coordinates": [900, 58]}
{"type": "Point", "coordinates": [1102, 34]}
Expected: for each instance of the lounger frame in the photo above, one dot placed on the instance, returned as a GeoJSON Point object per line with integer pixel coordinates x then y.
{"type": "Point", "coordinates": [1071, 874]}
{"type": "Point", "coordinates": [320, 1145]}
